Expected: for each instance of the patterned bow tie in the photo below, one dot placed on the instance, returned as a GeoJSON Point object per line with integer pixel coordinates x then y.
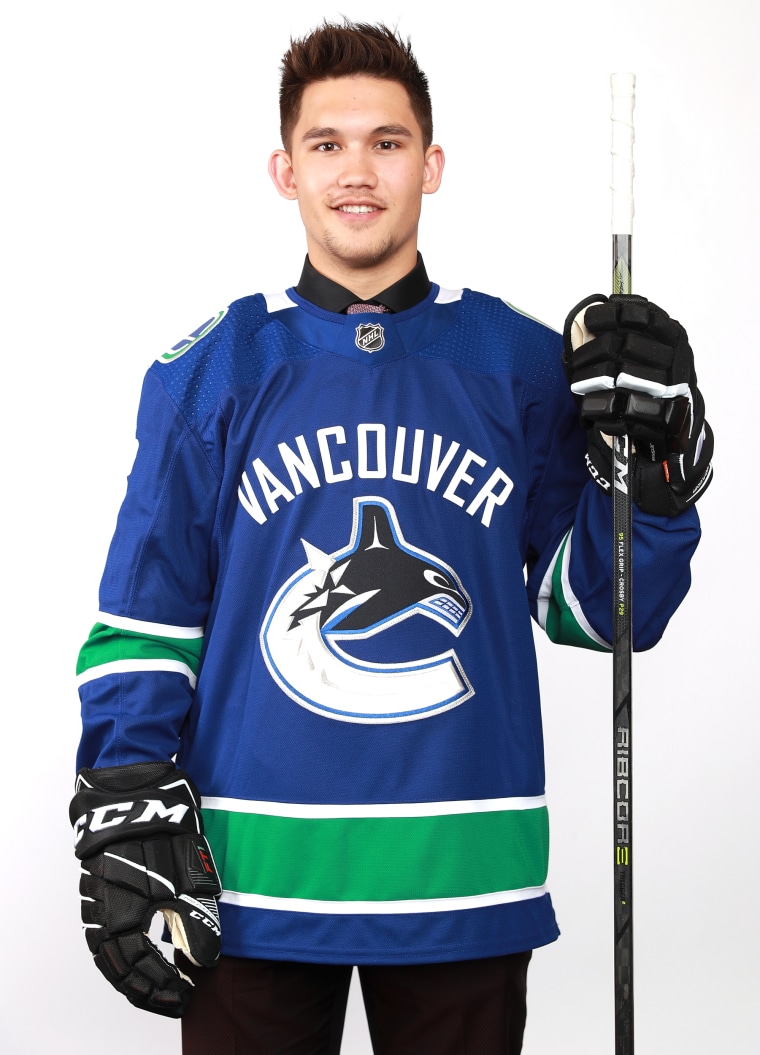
{"type": "Point", "coordinates": [360, 306]}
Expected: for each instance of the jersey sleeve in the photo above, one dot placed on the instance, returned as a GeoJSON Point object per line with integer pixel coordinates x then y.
{"type": "Point", "coordinates": [137, 671]}
{"type": "Point", "coordinates": [570, 535]}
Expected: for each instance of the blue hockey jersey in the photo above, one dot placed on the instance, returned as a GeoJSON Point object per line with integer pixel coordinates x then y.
{"type": "Point", "coordinates": [318, 600]}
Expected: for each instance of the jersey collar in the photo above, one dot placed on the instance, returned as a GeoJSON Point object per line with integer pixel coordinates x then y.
{"type": "Point", "coordinates": [331, 296]}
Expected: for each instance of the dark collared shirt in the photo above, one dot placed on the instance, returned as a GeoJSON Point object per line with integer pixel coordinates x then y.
{"type": "Point", "coordinates": [331, 296]}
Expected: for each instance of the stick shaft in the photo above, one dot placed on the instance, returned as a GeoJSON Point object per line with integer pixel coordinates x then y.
{"type": "Point", "coordinates": [622, 752]}
{"type": "Point", "coordinates": [622, 219]}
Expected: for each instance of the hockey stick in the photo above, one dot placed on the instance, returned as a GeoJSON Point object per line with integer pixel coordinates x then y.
{"type": "Point", "coordinates": [623, 86]}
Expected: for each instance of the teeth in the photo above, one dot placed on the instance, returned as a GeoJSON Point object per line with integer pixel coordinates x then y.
{"type": "Point", "coordinates": [358, 208]}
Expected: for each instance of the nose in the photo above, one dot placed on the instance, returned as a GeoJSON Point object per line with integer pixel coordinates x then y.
{"type": "Point", "coordinates": [357, 169]}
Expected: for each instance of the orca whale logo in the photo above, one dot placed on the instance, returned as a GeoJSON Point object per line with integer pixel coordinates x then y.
{"type": "Point", "coordinates": [377, 581]}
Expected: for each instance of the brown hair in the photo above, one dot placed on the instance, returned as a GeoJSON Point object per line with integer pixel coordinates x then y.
{"type": "Point", "coordinates": [346, 50]}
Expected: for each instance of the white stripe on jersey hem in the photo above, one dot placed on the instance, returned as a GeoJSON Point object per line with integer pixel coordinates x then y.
{"type": "Point", "coordinates": [448, 296]}
{"type": "Point", "coordinates": [278, 301]}
{"type": "Point", "coordinates": [329, 811]}
{"type": "Point", "coordinates": [137, 666]}
{"type": "Point", "coordinates": [139, 626]}
{"type": "Point", "coordinates": [380, 908]}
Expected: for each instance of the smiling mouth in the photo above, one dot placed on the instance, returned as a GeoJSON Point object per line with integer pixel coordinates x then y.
{"type": "Point", "coordinates": [358, 208]}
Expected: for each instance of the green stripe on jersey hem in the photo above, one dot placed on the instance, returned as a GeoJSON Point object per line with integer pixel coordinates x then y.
{"type": "Point", "coordinates": [357, 859]}
{"type": "Point", "coordinates": [107, 644]}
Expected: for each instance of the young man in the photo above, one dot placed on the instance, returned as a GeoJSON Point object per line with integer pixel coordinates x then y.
{"type": "Point", "coordinates": [315, 602]}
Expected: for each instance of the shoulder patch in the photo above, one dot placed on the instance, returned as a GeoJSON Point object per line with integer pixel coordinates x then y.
{"type": "Point", "coordinates": [197, 335]}
{"type": "Point", "coordinates": [278, 302]}
{"type": "Point", "coordinates": [448, 296]}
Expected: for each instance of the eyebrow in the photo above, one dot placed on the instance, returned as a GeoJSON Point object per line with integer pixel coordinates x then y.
{"type": "Point", "coordinates": [391, 130]}
{"type": "Point", "coordinates": [327, 132]}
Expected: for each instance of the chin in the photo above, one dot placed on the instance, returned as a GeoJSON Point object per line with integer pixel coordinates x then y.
{"type": "Point", "coordinates": [351, 254]}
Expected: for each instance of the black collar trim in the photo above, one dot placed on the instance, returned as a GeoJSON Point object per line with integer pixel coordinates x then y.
{"type": "Point", "coordinates": [331, 296]}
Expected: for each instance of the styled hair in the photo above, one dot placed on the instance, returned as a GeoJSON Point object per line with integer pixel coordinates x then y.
{"type": "Point", "coordinates": [351, 49]}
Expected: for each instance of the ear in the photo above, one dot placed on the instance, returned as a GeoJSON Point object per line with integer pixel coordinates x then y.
{"type": "Point", "coordinates": [434, 161]}
{"type": "Point", "coordinates": [281, 171]}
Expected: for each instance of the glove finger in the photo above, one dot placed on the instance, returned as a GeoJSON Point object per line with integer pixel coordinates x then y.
{"type": "Point", "coordinates": [135, 967]}
{"type": "Point", "coordinates": [114, 920]}
{"type": "Point", "coordinates": [633, 312]}
{"type": "Point", "coordinates": [627, 311]}
{"type": "Point", "coordinates": [658, 427]}
{"type": "Point", "coordinates": [643, 350]}
{"type": "Point", "coordinates": [603, 411]}
{"type": "Point", "coordinates": [126, 880]}
{"type": "Point", "coordinates": [662, 327]}
{"type": "Point", "coordinates": [108, 909]}
{"type": "Point", "coordinates": [595, 365]}
{"type": "Point", "coordinates": [682, 370]}
{"type": "Point", "coordinates": [602, 318]}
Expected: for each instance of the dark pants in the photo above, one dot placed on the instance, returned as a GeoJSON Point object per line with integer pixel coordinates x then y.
{"type": "Point", "coordinates": [268, 1007]}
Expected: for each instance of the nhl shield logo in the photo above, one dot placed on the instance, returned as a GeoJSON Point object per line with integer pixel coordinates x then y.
{"type": "Point", "coordinates": [370, 337]}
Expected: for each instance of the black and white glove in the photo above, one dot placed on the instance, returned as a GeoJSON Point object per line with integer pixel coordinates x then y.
{"type": "Point", "coordinates": [631, 370]}
{"type": "Point", "coordinates": [139, 834]}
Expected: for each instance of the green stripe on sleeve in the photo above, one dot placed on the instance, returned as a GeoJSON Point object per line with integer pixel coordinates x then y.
{"type": "Point", "coordinates": [562, 625]}
{"type": "Point", "coordinates": [380, 858]}
{"type": "Point", "coordinates": [106, 644]}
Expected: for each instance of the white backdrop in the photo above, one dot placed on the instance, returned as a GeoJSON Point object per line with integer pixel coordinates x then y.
{"type": "Point", "coordinates": [136, 203]}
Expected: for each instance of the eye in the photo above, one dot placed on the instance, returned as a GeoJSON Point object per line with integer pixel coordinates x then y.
{"type": "Point", "coordinates": [327, 148]}
{"type": "Point", "coordinates": [435, 578]}
{"type": "Point", "coordinates": [387, 144]}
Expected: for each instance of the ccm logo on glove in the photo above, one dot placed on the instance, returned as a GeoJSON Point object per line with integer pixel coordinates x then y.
{"type": "Point", "coordinates": [99, 818]}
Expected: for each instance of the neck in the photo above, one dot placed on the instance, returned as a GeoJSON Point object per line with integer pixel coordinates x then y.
{"type": "Point", "coordinates": [366, 282]}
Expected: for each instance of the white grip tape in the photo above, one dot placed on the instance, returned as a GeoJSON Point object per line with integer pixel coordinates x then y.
{"type": "Point", "coordinates": [623, 87]}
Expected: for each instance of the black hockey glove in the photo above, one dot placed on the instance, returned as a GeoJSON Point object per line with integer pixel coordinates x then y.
{"type": "Point", "coordinates": [139, 834]}
{"type": "Point", "coordinates": [631, 370]}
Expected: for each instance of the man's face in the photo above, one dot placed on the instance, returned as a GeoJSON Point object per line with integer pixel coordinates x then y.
{"type": "Point", "coordinates": [358, 169]}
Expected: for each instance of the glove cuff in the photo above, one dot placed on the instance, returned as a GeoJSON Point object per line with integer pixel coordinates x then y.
{"type": "Point", "coordinates": [654, 490]}
{"type": "Point", "coordinates": [134, 801]}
